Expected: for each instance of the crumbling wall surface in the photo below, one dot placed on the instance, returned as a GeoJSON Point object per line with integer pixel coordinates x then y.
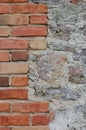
{"type": "Point", "coordinates": [58, 74]}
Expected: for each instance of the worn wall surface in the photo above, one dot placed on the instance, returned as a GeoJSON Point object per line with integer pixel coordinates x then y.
{"type": "Point", "coordinates": [21, 23]}
{"type": "Point", "coordinates": [58, 74]}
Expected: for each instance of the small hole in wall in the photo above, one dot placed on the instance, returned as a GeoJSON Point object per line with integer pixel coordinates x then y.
{"type": "Point", "coordinates": [68, 125]}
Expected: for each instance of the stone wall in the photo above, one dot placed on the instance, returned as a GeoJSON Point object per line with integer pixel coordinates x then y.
{"type": "Point", "coordinates": [58, 74]}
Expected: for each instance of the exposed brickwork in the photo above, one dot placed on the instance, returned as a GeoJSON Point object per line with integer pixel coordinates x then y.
{"type": "Point", "coordinates": [20, 56]}
{"type": "Point", "coordinates": [14, 94]}
{"type": "Point", "coordinates": [4, 128]}
{"type": "Point", "coordinates": [29, 31]}
{"type": "Point", "coordinates": [4, 8]}
{"type": "Point", "coordinates": [5, 107]}
{"type": "Point", "coordinates": [29, 8]}
{"type": "Point", "coordinates": [14, 119]}
{"type": "Point", "coordinates": [32, 128]}
{"type": "Point", "coordinates": [23, 26]}
{"type": "Point", "coordinates": [38, 19]}
{"type": "Point", "coordinates": [14, 44]}
{"type": "Point", "coordinates": [4, 81]}
{"type": "Point", "coordinates": [4, 31]}
{"type": "Point", "coordinates": [16, 19]}
{"type": "Point", "coordinates": [38, 44]}
{"type": "Point", "coordinates": [19, 81]}
{"type": "Point", "coordinates": [4, 56]}
{"type": "Point", "coordinates": [40, 120]}
{"type": "Point", "coordinates": [32, 107]}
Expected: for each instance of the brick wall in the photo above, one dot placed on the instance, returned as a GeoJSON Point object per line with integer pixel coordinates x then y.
{"type": "Point", "coordinates": [23, 26]}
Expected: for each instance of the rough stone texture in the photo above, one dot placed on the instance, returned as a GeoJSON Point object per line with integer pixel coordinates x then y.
{"type": "Point", "coordinates": [58, 74]}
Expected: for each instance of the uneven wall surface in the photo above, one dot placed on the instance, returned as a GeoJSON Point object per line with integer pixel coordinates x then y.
{"type": "Point", "coordinates": [58, 74]}
{"type": "Point", "coordinates": [42, 80]}
{"type": "Point", "coordinates": [22, 25]}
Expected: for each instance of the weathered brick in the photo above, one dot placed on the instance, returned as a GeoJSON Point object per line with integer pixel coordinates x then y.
{"type": "Point", "coordinates": [13, 68]}
{"type": "Point", "coordinates": [4, 56]}
{"type": "Point", "coordinates": [38, 19]}
{"type": "Point", "coordinates": [40, 120]}
{"type": "Point", "coordinates": [19, 81]}
{"type": "Point", "coordinates": [6, 1]}
{"type": "Point", "coordinates": [4, 19]}
{"type": "Point", "coordinates": [51, 115]}
{"type": "Point", "coordinates": [29, 8]}
{"type": "Point", "coordinates": [4, 128]}
{"type": "Point", "coordinates": [3, 1]}
{"type": "Point", "coordinates": [19, 1]}
{"type": "Point", "coordinates": [32, 128]}
{"type": "Point", "coordinates": [4, 81]}
{"type": "Point", "coordinates": [30, 107]}
{"type": "Point", "coordinates": [20, 56]}
{"type": "Point", "coordinates": [4, 31]}
{"type": "Point", "coordinates": [38, 44]}
{"type": "Point", "coordinates": [29, 31]}
{"type": "Point", "coordinates": [74, 1]}
{"type": "Point", "coordinates": [14, 94]}
{"type": "Point", "coordinates": [14, 119]}
{"type": "Point", "coordinates": [5, 107]}
{"type": "Point", "coordinates": [4, 8]}
{"type": "Point", "coordinates": [17, 19]}
{"type": "Point", "coordinates": [7, 44]}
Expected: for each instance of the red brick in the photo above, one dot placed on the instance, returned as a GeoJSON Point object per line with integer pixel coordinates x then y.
{"type": "Point", "coordinates": [7, 44]}
{"type": "Point", "coordinates": [29, 31]}
{"type": "Point", "coordinates": [19, 81]}
{"type": "Point", "coordinates": [30, 107]}
{"type": "Point", "coordinates": [6, 1]}
{"type": "Point", "coordinates": [29, 8]}
{"type": "Point", "coordinates": [15, 120]}
{"type": "Point", "coordinates": [3, 1]}
{"type": "Point", "coordinates": [5, 107]}
{"type": "Point", "coordinates": [4, 31]}
{"type": "Point", "coordinates": [4, 8]}
{"type": "Point", "coordinates": [32, 128]}
{"type": "Point", "coordinates": [4, 128]}
{"type": "Point", "coordinates": [40, 120]}
{"type": "Point", "coordinates": [51, 115]}
{"type": "Point", "coordinates": [4, 56]}
{"type": "Point", "coordinates": [13, 68]}
{"type": "Point", "coordinates": [4, 81]}
{"type": "Point", "coordinates": [14, 94]}
{"type": "Point", "coordinates": [74, 1]}
{"type": "Point", "coordinates": [20, 56]}
{"type": "Point", "coordinates": [19, 1]}
{"type": "Point", "coordinates": [38, 19]}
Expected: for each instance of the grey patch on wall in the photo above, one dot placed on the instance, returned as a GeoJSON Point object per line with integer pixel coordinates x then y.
{"type": "Point", "coordinates": [69, 119]}
{"type": "Point", "coordinates": [63, 93]}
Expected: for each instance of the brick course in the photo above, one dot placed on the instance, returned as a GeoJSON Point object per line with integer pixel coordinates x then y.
{"type": "Point", "coordinates": [19, 22]}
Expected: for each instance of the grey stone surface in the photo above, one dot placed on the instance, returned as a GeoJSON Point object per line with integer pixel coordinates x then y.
{"type": "Point", "coordinates": [58, 74]}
